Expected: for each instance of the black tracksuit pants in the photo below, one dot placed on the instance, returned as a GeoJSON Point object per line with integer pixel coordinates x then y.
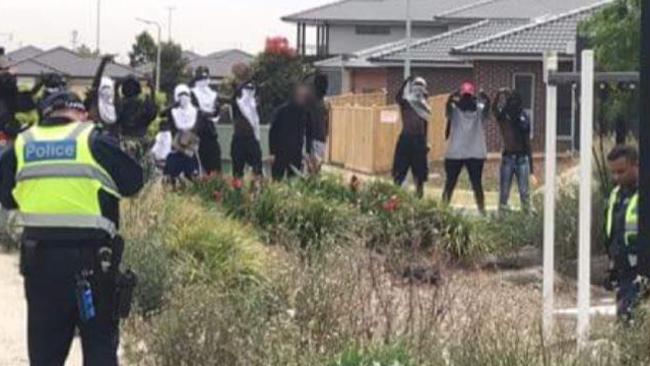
{"type": "Point", "coordinates": [246, 150]}
{"type": "Point", "coordinates": [453, 168]}
{"type": "Point", "coordinates": [284, 165]}
{"type": "Point", "coordinates": [50, 273]}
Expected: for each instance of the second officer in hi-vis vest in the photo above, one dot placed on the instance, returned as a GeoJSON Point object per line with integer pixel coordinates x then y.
{"type": "Point", "coordinates": [65, 180]}
{"type": "Point", "coordinates": [622, 228]}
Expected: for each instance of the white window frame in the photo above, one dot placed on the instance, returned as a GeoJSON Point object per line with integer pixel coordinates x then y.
{"type": "Point", "coordinates": [533, 95]}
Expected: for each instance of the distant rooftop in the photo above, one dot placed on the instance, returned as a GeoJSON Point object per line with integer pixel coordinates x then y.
{"type": "Point", "coordinates": [375, 11]}
{"type": "Point", "coordinates": [357, 11]}
{"type": "Point", "coordinates": [437, 48]}
{"type": "Point", "coordinates": [557, 33]}
{"type": "Point", "coordinates": [23, 53]}
{"type": "Point", "coordinates": [516, 9]}
{"type": "Point", "coordinates": [220, 63]}
{"type": "Point", "coordinates": [63, 61]}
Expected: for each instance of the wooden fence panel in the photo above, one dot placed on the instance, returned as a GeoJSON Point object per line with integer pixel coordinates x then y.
{"type": "Point", "coordinates": [363, 138]}
{"type": "Point", "coordinates": [338, 136]}
{"type": "Point", "coordinates": [437, 127]}
{"type": "Point", "coordinates": [360, 140]}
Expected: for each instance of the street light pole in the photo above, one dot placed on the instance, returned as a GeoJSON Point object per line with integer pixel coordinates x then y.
{"type": "Point", "coordinates": [644, 138]}
{"type": "Point", "coordinates": [407, 62]}
{"type": "Point", "coordinates": [99, 17]}
{"type": "Point", "coordinates": [158, 53]}
{"type": "Point", "coordinates": [170, 10]}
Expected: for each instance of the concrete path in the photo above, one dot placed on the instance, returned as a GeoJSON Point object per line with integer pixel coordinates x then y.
{"type": "Point", "coordinates": [13, 317]}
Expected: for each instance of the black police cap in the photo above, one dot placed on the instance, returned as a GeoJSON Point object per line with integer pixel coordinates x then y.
{"type": "Point", "coordinates": [59, 101]}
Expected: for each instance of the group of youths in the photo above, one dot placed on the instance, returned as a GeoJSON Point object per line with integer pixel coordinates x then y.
{"type": "Point", "coordinates": [187, 145]}
{"type": "Point", "coordinates": [467, 112]}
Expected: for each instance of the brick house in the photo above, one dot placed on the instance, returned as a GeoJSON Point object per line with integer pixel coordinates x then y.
{"type": "Point", "coordinates": [504, 51]}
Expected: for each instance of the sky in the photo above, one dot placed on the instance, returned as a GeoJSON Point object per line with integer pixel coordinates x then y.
{"type": "Point", "coordinates": [202, 26]}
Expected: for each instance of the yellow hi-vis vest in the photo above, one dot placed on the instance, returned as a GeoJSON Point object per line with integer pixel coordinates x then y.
{"type": "Point", "coordinates": [58, 179]}
{"type": "Point", "coordinates": [631, 216]}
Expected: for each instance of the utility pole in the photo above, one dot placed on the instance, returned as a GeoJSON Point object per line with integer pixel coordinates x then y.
{"type": "Point", "coordinates": [75, 39]}
{"type": "Point", "coordinates": [99, 26]}
{"type": "Point", "coordinates": [158, 53]}
{"type": "Point", "coordinates": [170, 11]}
{"type": "Point", "coordinates": [407, 62]}
{"type": "Point", "coordinates": [644, 139]}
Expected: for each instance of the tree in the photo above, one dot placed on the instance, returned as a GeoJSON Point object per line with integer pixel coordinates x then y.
{"type": "Point", "coordinates": [173, 65]}
{"type": "Point", "coordinates": [174, 68]}
{"type": "Point", "coordinates": [614, 33]}
{"type": "Point", "coordinates": [85, 51]}
{"type": "Point", "coordinates": [278, 69]}
{"type": "Point", "coordinates": [143, 51]}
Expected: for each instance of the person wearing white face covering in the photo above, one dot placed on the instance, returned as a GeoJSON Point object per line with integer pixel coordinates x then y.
{"type": "Point", "coordinates": [207, 102]}
{"type": "Point", "coordinates": [412, 149]}
{"type": "Point", "coordinates": [245, 146]}
{"type": "Point", "coordinates": [180, 129]}
{"type": "Point", "coordinates": [103, 100]}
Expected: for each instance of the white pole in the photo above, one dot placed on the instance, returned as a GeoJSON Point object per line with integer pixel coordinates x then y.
{"type": "Point", "coordinates": [407, 62]}
{"type": "Point", "coordinates": [99, 26]}
{"type": "Point", "coordinates": [158, 57]}
{"type": "Point", "coordinates": [551, 64]}
{"type": "Point", "coordinates": [586, 142]}
{"type": "Point", "coordinates": [170, 10]}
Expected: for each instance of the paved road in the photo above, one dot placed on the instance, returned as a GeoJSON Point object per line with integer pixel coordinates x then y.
{"type": "Point", "coordinates": [13, 317]}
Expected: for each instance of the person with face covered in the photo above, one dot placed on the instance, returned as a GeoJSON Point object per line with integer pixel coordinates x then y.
{"type": "Point", "coordinates": [517, 160]}
{"type": "Point", "coordinates": [411, 150]}
{"type": "Point", "coordinates": [207, 102]}
{"type": "Point", "coordinates": [102, 100]}
{"type": "Point", "coordinates": [467, 146]}
{"type": "Point", "coordinates": [287, 135]}
{"type": "Point", "coordinates": [245, 146]}
{"type": "Point", "coordinates": [180, 128]}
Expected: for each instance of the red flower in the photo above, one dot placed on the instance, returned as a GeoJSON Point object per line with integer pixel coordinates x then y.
{"type": "Point", "coordinates": [391, 205]}
{"type": "Point", "coordinates": [218, 196]}
{"type": "Point", "coordinates": [237, 183]}
{"type": "Point", "coordinates": [279, 46]}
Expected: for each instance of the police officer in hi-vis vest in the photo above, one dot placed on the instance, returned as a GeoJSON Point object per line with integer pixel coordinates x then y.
{"type": "Point", "coordinates": [65, 181]}
{"type": "Point", "coordinates": [622, 229]}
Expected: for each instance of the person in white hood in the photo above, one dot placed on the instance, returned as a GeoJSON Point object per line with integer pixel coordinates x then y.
{"type": "Point", "coordinates": [103, 100]}
{"type": "Point", "coordinates": [206, 101]}
{"type": "Point", "coordinates": [245, 146]}
{"type": "Point", "coordinates": [179, 131]}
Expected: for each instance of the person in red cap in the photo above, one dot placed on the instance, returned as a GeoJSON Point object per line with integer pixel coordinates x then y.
{"type": "Point", "coordinates": [467, 147]}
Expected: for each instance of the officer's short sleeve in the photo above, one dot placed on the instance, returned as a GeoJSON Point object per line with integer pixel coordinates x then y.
{"type": "Point", "coordinates": [125, 171]}
{"type": "Point", "coordinates": [8, 166]}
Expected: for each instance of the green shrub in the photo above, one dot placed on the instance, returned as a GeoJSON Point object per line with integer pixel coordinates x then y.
{"type": "Point", "coordinates": [381, 356]}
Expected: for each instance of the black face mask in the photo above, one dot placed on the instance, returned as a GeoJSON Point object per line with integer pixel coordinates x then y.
{"type": "Point", "coordinates": [467, 103]}
{"type": "Point", "coordinates": [514, 108]}
{"type": "Point", "coordinates": [131, 88]}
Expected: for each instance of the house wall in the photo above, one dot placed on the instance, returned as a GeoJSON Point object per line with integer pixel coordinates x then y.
{"type": "Point", "coordinates": [368, 80]}
{"type": "Point", "coordinates": [344, 39]}
{"type": "Point", "coordinates": [440, 80]}
{"type": "Point", "coordinates": [492, 75]}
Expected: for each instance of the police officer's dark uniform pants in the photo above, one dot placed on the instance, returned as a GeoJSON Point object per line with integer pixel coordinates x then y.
{"type": "Point", "coordinates": [50, 275]}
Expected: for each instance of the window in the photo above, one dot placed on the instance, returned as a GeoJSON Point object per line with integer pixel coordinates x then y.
{"type": "Point", "coordinates": [524, 84]}
{"type": "Point", "coordinates": [372, 29]}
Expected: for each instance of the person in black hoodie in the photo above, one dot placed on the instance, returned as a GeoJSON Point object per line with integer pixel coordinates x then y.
{"type": "Point", "coordinates": [12, 100]}
{"type": "Point", "coordinates": [412, 148]}
{"type": "Point", "coordinates": [287, 134]}
{"type": "Point", "coordinates": [517, 158]}
{"type": "Point", "coordinates": [318, 127]}
{"type": "Point", "coordinates": [207, 102]}
{"type": "Point", "coordinates": [134, 117]}
{"type": "Point", "coordinates": [245, 147]}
